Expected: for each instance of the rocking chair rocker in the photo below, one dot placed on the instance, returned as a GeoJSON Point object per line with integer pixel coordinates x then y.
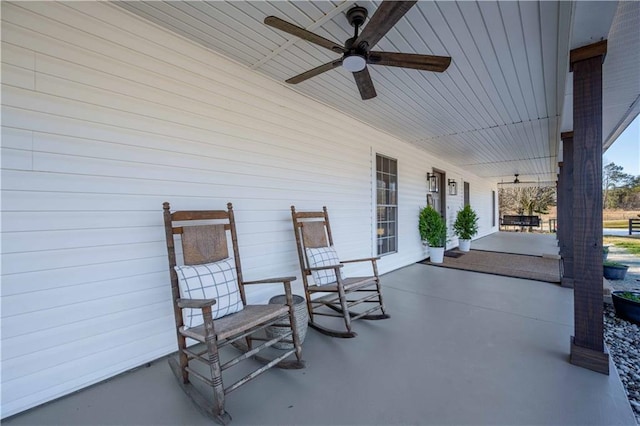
{"type": "Point", "coordinates": [210, 307]}
{"type": "Point", "coordinates": [318, 258]}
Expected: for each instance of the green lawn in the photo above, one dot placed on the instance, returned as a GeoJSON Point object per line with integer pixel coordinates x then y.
{"type": "Point", "coordinates": [631, 244]}
{"type": "Point", "coordinates": [616, 224]}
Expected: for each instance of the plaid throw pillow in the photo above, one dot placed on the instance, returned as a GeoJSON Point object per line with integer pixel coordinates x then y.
{"type": "Point", "coordinates": [323, 256]}
{"type": "Point", "coordinates": [216, 280]}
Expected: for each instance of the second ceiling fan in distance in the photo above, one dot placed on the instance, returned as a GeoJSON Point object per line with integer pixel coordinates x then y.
{"type": "Point", "coordinates": [357, 53]}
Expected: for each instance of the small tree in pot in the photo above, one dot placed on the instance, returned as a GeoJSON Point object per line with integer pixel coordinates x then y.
{"type": "Point", "coordinates": [433, 231]}
{"type": "Point", "coordinates": [465, 227]}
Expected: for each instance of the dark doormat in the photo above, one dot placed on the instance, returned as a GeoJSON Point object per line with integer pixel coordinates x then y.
{"type": "Point", "coordinates": [506, 264]}
{"type": "Point", "coordinates": [453, 253]}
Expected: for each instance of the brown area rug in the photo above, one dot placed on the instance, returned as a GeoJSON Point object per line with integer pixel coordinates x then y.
{"type": "Point", "coordinates": [506, 264]}
{"type": "Point", "coordinates": [453, 253]}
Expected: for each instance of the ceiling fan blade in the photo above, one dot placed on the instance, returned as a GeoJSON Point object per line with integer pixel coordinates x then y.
{"type": "Point", "coordinates": [384, 18]}
{"type": "Point", "coordinates": [297, 31]}
{"type": "Point", "coordinates": [365, 84]}
{"type": "Point", "coordinates": [410, 60]}
{"type": "Point", "coordinates": [315, 71]}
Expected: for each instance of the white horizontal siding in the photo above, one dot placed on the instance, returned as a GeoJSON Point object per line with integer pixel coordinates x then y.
{"type": "Point", "coordinates": [105, 116]}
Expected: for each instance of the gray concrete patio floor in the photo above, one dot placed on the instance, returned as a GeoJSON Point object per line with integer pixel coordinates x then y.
{"type": "Point", "coordinates": [460, 348]}
{"type": "Point", "coordinates": [518, 242]}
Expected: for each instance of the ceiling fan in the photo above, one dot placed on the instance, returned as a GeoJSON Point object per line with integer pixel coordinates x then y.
{"type": "Point", "coordinates": [357, 53]}
{"type": "Point", "coordinates": [518, 183]}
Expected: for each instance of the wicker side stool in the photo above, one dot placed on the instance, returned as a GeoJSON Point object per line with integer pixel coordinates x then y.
{"type": "Point", "coordinates": [301, 315]}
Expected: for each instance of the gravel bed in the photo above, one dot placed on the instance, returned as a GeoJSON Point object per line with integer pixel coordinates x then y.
{"type": "Point", "coordinates": [623, 337]}
{"type": "Point", "coordinates": [623, 340]}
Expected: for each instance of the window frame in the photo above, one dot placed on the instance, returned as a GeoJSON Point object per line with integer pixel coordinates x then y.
{"type": "Point", "coordinates": [386, 213]}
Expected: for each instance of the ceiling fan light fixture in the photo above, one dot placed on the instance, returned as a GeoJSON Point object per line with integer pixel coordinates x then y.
{"type": "Point", "coordinates": [354, 62]}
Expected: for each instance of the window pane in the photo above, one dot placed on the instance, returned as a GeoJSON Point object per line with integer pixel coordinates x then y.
{"type": "Point", "coordinates": [392, 244]}
{"type": "Point", "coordinates": [392, 193]}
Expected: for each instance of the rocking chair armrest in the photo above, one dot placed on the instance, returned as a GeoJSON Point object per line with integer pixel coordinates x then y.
{"type": "Point", "coordinates": [364, 259]}
{"type": "Point", "coordinates": [271, 280]}
{"type": "Point", "coordinates": [195, 303]}
{"type": "Point", "coordinates": [286, 281]}
{"type": "Point", "coordinates": [322, 268]}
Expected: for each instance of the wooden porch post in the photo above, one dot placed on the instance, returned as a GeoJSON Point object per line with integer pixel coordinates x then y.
{"type": "Point", "coordinates": [559, 206]}
{"type": "Point", "coordinates": [587, 346]}
{"type": "Point", "coordinates": [566, 240]}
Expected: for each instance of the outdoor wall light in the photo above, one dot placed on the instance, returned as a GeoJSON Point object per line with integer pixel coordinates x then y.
{"type": "Point", "coordinates": [432, 182]}
{"type": "Point", "coordinates": [453, 187]}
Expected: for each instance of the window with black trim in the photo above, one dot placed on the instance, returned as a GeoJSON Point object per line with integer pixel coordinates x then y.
{"type": "Point", "coordinates": [387, 204]}
{"type": "Point", "coordinates": [466, 194]}
{"type": "Point", "coordinates": [493, 208]}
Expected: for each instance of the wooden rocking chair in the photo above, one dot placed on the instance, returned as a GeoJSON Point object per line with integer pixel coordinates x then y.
{"type": "Point", "coordinates": [210, 307]}
{"type": "Point", "coordinates": [318, 258]}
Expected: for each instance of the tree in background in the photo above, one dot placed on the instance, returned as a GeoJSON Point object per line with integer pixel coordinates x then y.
{"type": "Point", "coordinates": [526, 200]}
{"type": "Point", "coordinates": [612, 176]}
{"type": "Point", "coordinates": [619, 190]}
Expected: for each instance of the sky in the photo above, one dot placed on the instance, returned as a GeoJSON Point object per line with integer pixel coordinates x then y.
{"type": "Point", "coordinates": [625, 151]}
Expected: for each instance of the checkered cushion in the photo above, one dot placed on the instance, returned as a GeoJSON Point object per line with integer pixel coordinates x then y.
{"type": "Point", "coordinates": [216, 280]}
{"type": "Point", "coordinates": [323, 256]}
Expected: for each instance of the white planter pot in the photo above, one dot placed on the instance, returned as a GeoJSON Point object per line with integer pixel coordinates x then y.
{"type": "Point", "coordinates": [436, 254]}
{"type": "Point", "coordinates": [464, 245]}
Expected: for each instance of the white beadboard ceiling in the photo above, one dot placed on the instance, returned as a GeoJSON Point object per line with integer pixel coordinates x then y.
{"type": "Point", "coordinates": [497, 110]}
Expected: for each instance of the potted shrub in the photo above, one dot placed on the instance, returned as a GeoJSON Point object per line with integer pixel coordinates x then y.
{"type": "Point", "coordinates": [605, 252]}
{"type": "Point", "coordinates": [614, 270]}
{"type": "Point", "coordinates": [433, 231]}
{"type": "Point", "coordinates": [627, 305]}
{"type": "Point", "coordinates": [465, 227]}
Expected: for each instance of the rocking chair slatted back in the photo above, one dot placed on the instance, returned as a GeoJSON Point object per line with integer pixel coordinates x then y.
{"type": "Point", "coordinates": [313, 231]}
{"type": "Point", "coordinates": [314, 234]}
{"type": "Point", "coordinates": [200, 215]}
{"type": "Point", "coordinates": [204, 244]}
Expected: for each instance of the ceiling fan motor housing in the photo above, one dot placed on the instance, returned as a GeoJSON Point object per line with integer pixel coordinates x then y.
{"type": "Point", "coordinates": [356, 16]}
{"type": "Point", "coordinates": [355, 59]}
